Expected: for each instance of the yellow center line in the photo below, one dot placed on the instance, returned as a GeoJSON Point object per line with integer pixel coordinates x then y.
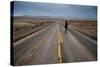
{"type": "Point", "coordinates": [59, 47]}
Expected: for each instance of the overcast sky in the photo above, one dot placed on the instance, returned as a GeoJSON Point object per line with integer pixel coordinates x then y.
{"type": "Point", "coordinates": [54, 10]}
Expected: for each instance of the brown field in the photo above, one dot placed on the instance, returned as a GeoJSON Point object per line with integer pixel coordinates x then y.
{"type": "Point", "coordinates": [24, 26]}
{"type": "Point", "coordinates": [87, 27]}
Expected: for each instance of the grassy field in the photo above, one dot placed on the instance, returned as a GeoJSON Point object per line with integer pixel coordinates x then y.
{"type": "Point", "coordinates": [87, 27]}
{"type": "Point", "coordinates": [24, 26]}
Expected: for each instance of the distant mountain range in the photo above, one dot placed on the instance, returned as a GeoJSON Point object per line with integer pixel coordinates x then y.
{"type": "Point", "coordinates": [49, 17]}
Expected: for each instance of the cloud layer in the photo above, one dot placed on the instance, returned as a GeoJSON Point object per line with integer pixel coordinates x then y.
{"type": "Point", "coordinates": [55, 10]}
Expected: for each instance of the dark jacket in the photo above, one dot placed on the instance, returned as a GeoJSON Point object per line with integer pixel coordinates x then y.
{"type": "Point", "coordinates": [66, 24]}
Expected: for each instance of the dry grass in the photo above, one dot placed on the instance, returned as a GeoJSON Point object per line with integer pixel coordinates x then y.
{"type": "Point", "coordinates": [24, 26]}
{"type": "Point", "coordinates": [87, 27]}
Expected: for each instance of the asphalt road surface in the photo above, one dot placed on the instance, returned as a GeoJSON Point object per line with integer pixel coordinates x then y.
{"type": "Point", "coordinates": [54, 44]}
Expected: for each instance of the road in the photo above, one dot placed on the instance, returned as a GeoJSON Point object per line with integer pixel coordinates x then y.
{"type": "Point", "coordinates": [47, 46]}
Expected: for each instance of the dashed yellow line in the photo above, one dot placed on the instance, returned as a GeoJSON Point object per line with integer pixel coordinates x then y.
{"type": "Point", "coordinates": [59, 47]}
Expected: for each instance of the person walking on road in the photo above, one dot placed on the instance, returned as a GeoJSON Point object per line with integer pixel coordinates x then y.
{"type": "Point", "coordinates": [66, 25]}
